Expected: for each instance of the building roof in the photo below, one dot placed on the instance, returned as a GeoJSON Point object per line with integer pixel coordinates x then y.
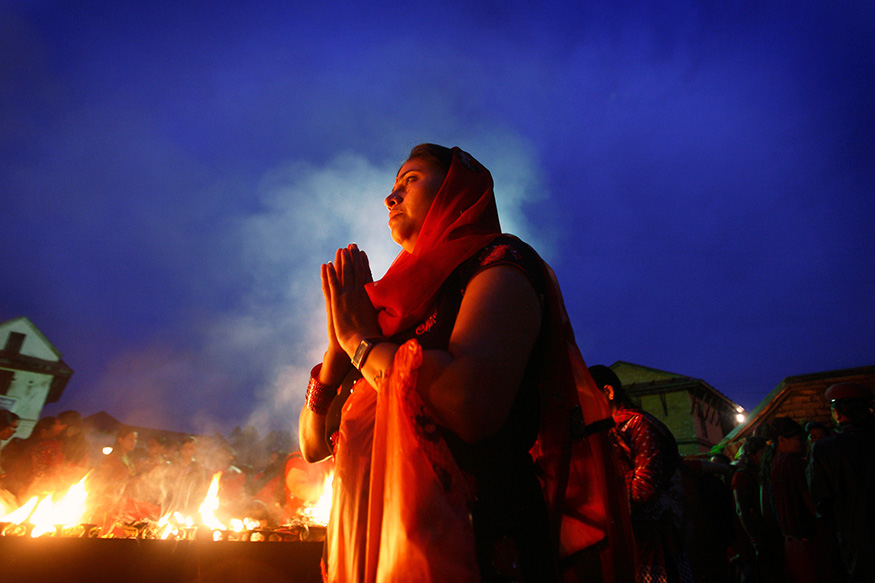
{"type": "Point", "coordinates": [815, 383]}
{"type": "Point", "coordinates": [35, 361]}
{"type": "Point", "coordinates": [103, 422]}
{"type": "Point", "coordinates": [24, 321]}
{"type": "Point", "coordinates": [640, 380]}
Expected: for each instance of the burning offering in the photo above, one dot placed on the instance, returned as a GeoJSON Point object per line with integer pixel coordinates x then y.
{"type": "Point", "coordinates": [74, 514]}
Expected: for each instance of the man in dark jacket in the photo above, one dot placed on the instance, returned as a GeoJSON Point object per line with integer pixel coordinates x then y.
{"type": "Point", "coordinates": [841, 477]}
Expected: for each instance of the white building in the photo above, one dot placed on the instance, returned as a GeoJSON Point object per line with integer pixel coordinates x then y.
{"type": "Point", "coordinates": [31, 372]}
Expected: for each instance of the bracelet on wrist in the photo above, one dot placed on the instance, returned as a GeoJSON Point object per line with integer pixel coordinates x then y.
{"type": "Point", "coordinates": [319, 395]}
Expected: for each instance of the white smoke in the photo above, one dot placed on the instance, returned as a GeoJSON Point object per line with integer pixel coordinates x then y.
{"type": "Point", "coordinates": [254, 355]}
{"type": "Point", "coordinates": [308, 212]}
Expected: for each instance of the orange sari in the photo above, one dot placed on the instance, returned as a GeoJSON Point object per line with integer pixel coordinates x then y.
{"type": "Point", "coordinates": [401, 504]}
{"type": "Point", "coordinates": [401, 507]}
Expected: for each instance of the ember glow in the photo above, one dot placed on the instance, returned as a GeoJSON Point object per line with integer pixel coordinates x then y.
{"type": "Point", "coordinates": [67, 516]}
{"type": "Point", "coordinates": [46, 515]}
{"type": "Point", "coordinates": [22, 514]}
{"type": "Point", "coordinates": [321, 511]}
{"type": "Point", "coordinates": [211, 504]}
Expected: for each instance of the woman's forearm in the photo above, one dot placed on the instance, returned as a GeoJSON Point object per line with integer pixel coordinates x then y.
{"type": "Point", "coordinates": [311, 436]}
{"type": "Point", "coordinates": [311, 422]}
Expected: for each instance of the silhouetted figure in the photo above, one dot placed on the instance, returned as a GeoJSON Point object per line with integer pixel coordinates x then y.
{"type": "Point", "coordinates": [708, 527]}
{"type": "Point", "coordinates": [187, 479]}
{"type": "Point", "coordinates": [31, 464]}
{"type": "Point", "coordinates": [650, 457]}
{"type": "Point", "coordinates": [816, 431]}
{"type": "Point", "coordinates": [841, 475]}
{"type": "Point", "coordinates": [233, 484]}
{"type": "Point", "coordinates": [8, 426]}
{"type": "Point", "coordinates": [746, 495]}
{"type": "Point", "coordinates": [116, 469]}
{"type": "Point", "coordinates": [805, 546]}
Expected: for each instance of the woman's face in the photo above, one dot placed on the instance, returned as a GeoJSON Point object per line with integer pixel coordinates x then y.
{"type": "Point", "coordinates": [128, 442]}
{"type": "Point", "coordinates": [416, 185]}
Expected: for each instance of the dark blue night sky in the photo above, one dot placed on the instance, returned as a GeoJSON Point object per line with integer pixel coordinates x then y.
{"type": "Point", "coordinates": [699, 174]}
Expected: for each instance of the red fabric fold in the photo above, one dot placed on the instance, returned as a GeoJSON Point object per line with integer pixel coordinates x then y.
{"type": "Point", "coordinates": [404, 513]}
{"type": "Point", "coordinates": [420, 499]}
{"type": "Point", "coordinates": [583, 485]}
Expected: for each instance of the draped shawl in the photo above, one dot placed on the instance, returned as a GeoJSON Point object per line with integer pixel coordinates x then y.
{"type": "Point", "coordinates": [417, 514]}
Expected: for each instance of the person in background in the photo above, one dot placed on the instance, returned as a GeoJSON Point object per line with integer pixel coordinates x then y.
{"type": "Point", "coordinates": [188, 477]}
{"type": "Point", "coordinates": [815, 431]}
{"type": "Point", "coordinates": [8, 426]}
{"type": "Point", "coordinates": [116, 469]}
{"type": "Point", "coordinates": [151, 470]}
{"type": "Point", "coordinates": [272, 469]}
{"type": "Point", "coordinates": [841, 477]}
{"type": "Point", "coordinates": [755, 545]}
{"type": "Point", "coordinates": [709, 524]}
{"type": "Point", "coordinates": [152, 456]}
{"type": "Point", "coordinates": [459, 359]}
{"type": "Point", "coordinates": [233, 483]}
{"type": "Point", "coordinates": [267, 488]}
{"type": "Point", "coordinates": [651, 462]}
{"type": "Point", "coordinates": [74, 446]}
{"type": "Point", "coordinates": [109, 484]}
{"type": "Point", "coordinates": [33, 463]}
{"type": "Point", "coordinates": [807, 550]}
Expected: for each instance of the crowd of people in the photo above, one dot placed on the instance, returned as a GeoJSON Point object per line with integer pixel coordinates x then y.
{"type": "Point", "coordinates": [133, 481]}
{"type": "Point", "coordinates": [796, 506]}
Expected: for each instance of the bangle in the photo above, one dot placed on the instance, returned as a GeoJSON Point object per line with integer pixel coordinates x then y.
{"type": "Point", "coordinates": [319, 395]}
{"type": "Point", "coordinates": [332, 441]}
{"type": "Point", "coordinates": [364, 348]}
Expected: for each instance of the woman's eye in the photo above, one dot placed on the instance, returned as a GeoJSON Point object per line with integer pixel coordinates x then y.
{"type": "Point", "coordinates": [410, 179]}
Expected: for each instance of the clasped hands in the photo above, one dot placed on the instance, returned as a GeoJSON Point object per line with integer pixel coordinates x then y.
{"type": "Point", "coordinates": [351, 315]}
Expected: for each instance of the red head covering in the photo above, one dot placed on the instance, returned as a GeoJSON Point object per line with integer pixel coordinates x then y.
{"type": "Point", "coordinates": [462, 219]}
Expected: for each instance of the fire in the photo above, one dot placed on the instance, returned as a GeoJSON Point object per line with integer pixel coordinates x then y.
{"type": "Point", "coordinates": [20, 515]}
{"type": "Point", "coordinates": [46, 514]}
{"type": "Point", "coordinates": [53, 515]}
{"type": "Point", "coordinates": [172, 524]}
{"type": "Point", "coordinates": [321, 511]}
{"type": "Point", "coordinates": [210, 504]}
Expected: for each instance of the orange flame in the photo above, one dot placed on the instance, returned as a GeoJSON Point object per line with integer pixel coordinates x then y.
{"type": "Point", "coordinates": [321, 511]}
{"type": "Point", "coordinates": [21, 514]}
{"type": "Point", "coordinates": [210, 504]}
{"type": "Point", "coordinates": [46, 514]}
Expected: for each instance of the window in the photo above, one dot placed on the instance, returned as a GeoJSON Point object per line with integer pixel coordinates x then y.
{"type": "Point", "coordinates": [5, 380]}
{"type": "Point", "coordinates": [14, 342]}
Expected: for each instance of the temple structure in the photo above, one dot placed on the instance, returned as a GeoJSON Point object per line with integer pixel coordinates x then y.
{"type": "Point", "coordinates": [32, 372]}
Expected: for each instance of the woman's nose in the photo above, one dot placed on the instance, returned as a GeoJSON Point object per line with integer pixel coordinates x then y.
{"type": "Point", "coordinates": [393, 199]}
